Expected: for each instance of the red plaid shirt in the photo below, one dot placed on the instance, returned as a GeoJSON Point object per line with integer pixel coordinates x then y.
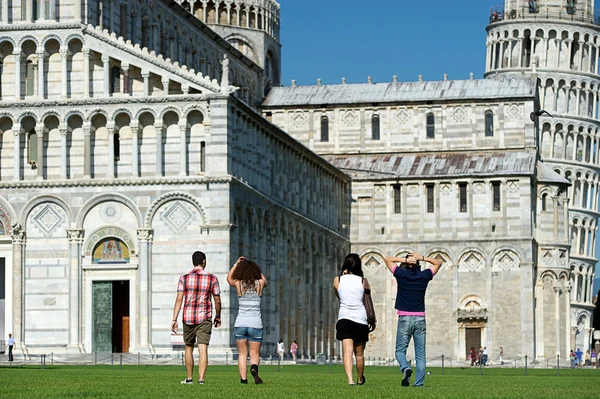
{"type": "Point", "coordinates": [198, 287]}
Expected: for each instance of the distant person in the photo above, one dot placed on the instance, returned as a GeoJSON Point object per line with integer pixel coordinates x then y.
{"type": "Point", "coordinates": [11, 345]}
{"type": "Point", "coordinates": [579, 355]}
{"type": "Point", "coordinates": [410, 306]}
{"type": "Point", "coordinates": [197, 288]}
{"type": "Point", "coordinates": [245, 276]}
{"type": "Point", "coordinates": [280, 349]}
{"type": "Point", "coordinates": [593, 357]}
{"type": "Point", "coordinates": [573, 359]}
{"type": "Point", "coordinates": [501, 356]}
{"type": "Point", "coordinates": [480, 356]}
{"type": "Point", "coordinates": [353, 327]}
{"type": "Point", "coordinates": [294, 350]}
{"type": "Point", "coordinates": [587, 360]}
{"type": "Point", "coordinates": [472, 356]}
{"type": "Point", "coordinates": [485, 355]}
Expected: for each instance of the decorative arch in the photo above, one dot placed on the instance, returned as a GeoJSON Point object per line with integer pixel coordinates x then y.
{"type": "Point", "coordinates": [163, 199]}
{"type": "Point", "coordinates": [121, 111]}
{"type": "Point", "coordinates": [26, 114]}
{"type": "Point", "coordinates": [9, 115]}
{"type": "Point", "coordinates": [92, 202]}
{"type": "Point", "coordinates": [50, 113]}
{"type": "Point", "coordinates": [139, 113]}
{"type": "Point", "coordinates": [472, 306]}
{"type": "Point", "coordinates": [372, 261]}
{"type": "Point", "coordinates": [96, 111]}
{"type": "Point", "coordinates": [28, 38]}
{"type": "Point", "coordinates": [40, 200]}
{"type": "Point", "coordinates": [8, 39]}
{"type": "Point", "coordinates": [162, 113]}
{"type": "Point", "coordinates": [73, 36]}
{"type": "Point", "coordinates": [196, 107]}
{"type": "Point", "coordinates": [472, 260]}
{"type": "Point", "coordinates": [101, 234]}
{"type": "Point", "coordinates": [72, 113]}
{"type": "Point", "coordinates": [6, 217]}
{"type": "Point", "coordinates": [49, 37]}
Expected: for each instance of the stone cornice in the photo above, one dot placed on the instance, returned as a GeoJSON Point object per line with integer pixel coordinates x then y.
{"type": "Point", "coordinates": [50, 25]}
{"type": "Point", "coordinates": [115, 182]}
{"type": "Point", "coordinates": [73, 102]}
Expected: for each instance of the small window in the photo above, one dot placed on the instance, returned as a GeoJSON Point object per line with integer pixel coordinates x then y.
{"type": "Point", "coordinates": [117, 146]}
{"type": "Point", "coordinates": [115, 81]}
{"type": "Point", "coordinates": [430, 197]}
{"type": "Point", "coordinates": [462, 193]}
{"type": "Point", "coordinates": [397, 198]}
{"type": "Point", "coordinates": [375, 127]}
{"type": "Point", "coordinates": [203, 156]}
{"type": "Point", "coordinates": [430, 126]}
{"type": "Point", "coordinates": [544, 200]}
{"type": "Point", "coordinates": [489, 124]}
{"type": "Point", "coordinates": [32, 146]}
{"type": "Point", "coordinates": [324, 129]}
{"type": "Point", "coordinates": [496, 196]}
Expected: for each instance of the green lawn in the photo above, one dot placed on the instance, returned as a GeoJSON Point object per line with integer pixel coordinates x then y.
{"type": "Point", "coordinates": [305, 381]}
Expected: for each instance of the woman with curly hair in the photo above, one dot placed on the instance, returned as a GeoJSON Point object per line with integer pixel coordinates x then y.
{"type": "Point", "coordinates": [249, 283]}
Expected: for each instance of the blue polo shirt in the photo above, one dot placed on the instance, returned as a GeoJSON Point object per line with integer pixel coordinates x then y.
{"type": "Point", "coordinates": [412, 284]}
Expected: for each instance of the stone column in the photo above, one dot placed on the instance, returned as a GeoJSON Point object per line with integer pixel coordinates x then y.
{"type": "Point", "coordinates": [17, 152]}
{"type": "Point", "coordinates": [86, 72]}
{"type": "Point", "coordinates": [494, 44]}
{"type": "Point", "coordinates": [125, 89]}
{"type": "Point", "coordinates": [123, 20]}
{"type": "Point", "coordinates": [110, 170]}
{"type": "Point", "coordinates": [183, 147]}
{"type": "Point", "coordinates": [18, 241]}
{"type": "Point", "coordinates": [228, 14]}
{"type": "Point", "coordinates": [64, 54]}
{"type": "Point", "coordinates": [581, 43]}
{"type": "Point", "coordinates": [5, 12]}
{"type": "Point", "coordinates": [40, 58]}
{"type": "Point", "coordinates": [29, 10]}
{"type": "Point", "coordinates": [134, 149]}
{"type": "Point", "coordinates": [87, 150]}
{"type": "Point", "coordinates": [165, 82]}
{"type": "Point", "coordinates": [39, 133]}
{"type": "Point", "coordinates": [158, 127]}
{"type": "Point", "coordinates": [77, 11]}
{"type": "Point", "coordinates": [75, 321]}
{"type": "Point", "coordinates": [205, 11]}
{"type": "Point", "coordinates": [106, 78]}
{"type": "Point", "coordinates": [146, 76]}
{"type": "Point", "coordinates": [558, 46]}
{"type": "Point", "coordinates": [63, 151]}
{"type": "Point", "coordinates": [144, 237]}
{"type": "Point", "coordinates": [238, 8]}
{"type": "Point", "coordinates": [247, 7]}
{"type": "Point", "coordinates": [17, 55]}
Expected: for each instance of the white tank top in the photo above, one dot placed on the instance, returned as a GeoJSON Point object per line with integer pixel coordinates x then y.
{"type": "Point", "coordinates": [351, 291]}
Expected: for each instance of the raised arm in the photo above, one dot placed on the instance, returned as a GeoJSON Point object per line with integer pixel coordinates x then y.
{"type": "Point", "coordinates": [230, 280]}
{"type": "Point", "coordinates": [392, 261]}
{"type": "Point", "coordinates": [435, 263]}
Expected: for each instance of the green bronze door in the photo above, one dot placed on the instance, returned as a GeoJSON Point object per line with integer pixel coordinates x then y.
{"type": "Point", "coordinates": [102, 292]}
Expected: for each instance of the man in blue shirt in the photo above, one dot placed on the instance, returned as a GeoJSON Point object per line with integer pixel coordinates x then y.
{"type": "Point", "coordinates": [579, 355]}
{"type": "Point", "coordinates": [410, 306]}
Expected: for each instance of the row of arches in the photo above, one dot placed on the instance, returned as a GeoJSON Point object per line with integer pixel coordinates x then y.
{"type": "Point", "coordinates": [582, 281]}
{"type": "Point", "coordinates": [99, 145]}
{"type": "Point", "coordinates": [570, 142]}
{"type": "Point", "coordinates": [550, 48]}
{"type": "Point", "coordinates": [569, 97]}
{"type": "Point", "coordinates": [583, 237]}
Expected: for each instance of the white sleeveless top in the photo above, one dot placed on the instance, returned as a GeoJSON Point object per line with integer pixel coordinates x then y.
{"type": "Point", "coordinates": [351, 291]}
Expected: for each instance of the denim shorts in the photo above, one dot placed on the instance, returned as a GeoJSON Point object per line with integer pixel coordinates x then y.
{"type": "Point", "coordinates": [248, 333]}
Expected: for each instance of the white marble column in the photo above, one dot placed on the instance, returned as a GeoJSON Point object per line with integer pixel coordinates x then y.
{"type": "Point", "coordinates": [17, 152]}
{"type": "Point", "coordinates": [39, 133]}
{"type": "Point", "coordinates": [86, 72]}
{"type": "Point", "coordinates": [125, 88]}
{"type": "Point", "coordinates": [77, 11]}
{"type": "Point", "coordinates": [110, 170]}
{"type": "Point", "coordinates": [205, 11]}
{"type": "Point", "coordinates": [146, 76]}
{"type": "Point", "coordinates": [135, 160]}
{"type": "Point", "coordinates": [63, 151]}
{"type": "Point", "coordinates": [29, 10]}
{"type": "Point", "coordinates": [40, 58]}
{"type": "Point", "coordinates": [18, 243]}
{"type": "Point", "coordinates": [17, 56]}
{"type": "Point", "coordinates": [75, 322]}
{"type": "Point", "coordinates": [158, 127]}
{"type": "Point", "coordinates": [106, 73]}
{"type": "Point", "coordinates": [87, 150]}
{"type": "Point", "coordinates": [144, 237]}
{"type": "Point", "coordinates": [5, 12]}
{"type": "Point", "coordinates": [165, 83]}
{"type": "Point", "coordinates": [183, 147]}
{"type": "Point", "coordinates": [64, 54]}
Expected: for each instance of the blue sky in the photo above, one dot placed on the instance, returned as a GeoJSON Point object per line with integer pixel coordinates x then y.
{"type": "Point", "coordinates": [331, 39]}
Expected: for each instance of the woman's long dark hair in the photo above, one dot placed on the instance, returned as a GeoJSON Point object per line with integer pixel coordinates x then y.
{"type": "Point", "coordinates": [352, 264]}
{"type": "Point", "coordinates": [248, 272]}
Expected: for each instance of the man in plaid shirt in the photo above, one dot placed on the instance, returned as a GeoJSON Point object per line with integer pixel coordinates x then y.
{"type": "Point", "coordinates": [198, 287]}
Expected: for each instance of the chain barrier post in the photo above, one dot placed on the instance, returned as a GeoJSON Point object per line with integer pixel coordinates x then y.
{"type": "Point", "coordinates": [138, 358]}
{"type": "Point", "coordinates": [278, 364]}
{"type": "Point", "coordinates": [226, 359]}
{"type": "Point", "coordinates": [525, 364]}
{"type": "Point", "coordinates": [52, 358]}
{"type": "Point", "coordinates": [95, 358]}
{"type": "Point", "coordinates": [329, 364]}
{"type": "Point", "coordinates": [182, 361]}
{"type": "Point", "coordinates": [442, 364]}
{"type": "Point", "coordinates": [121, 362]}
{"type": "Point", "coordinates": [480, 367]}
{"type": "Point", "coordinates": [112, 360]}
{"type": "Point", "coordinates": [558, 365]}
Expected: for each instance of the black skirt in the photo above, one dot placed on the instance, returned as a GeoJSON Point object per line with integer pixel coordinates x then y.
{"type": "Point", "coordinates": [348, 329]}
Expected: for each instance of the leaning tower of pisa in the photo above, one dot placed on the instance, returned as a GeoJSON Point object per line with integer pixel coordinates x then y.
{"type": "Point", "coordinates": [251, 26]}
{"type": "Point", "coordinates": [557, 42]}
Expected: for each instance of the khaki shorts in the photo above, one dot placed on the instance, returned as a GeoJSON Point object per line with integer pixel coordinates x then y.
{"type": "Point", "coordinates": [201, 332]}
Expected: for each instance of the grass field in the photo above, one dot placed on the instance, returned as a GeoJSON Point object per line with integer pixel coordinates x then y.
{"type": "Point", "coordinates": [291, 382]}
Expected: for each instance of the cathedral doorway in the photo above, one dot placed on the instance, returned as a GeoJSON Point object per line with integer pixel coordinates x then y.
{"type": "Point", "coordinates": [110, 310]}
{"type": "Point", "coordinates": [473, 339]}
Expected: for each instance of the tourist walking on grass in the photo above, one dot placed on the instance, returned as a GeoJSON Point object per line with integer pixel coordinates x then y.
{"type": "Point", "coordinates": [472, 356]}
{"type": "Point", "coordinates": [294, 350]}
{"type": "Point", "coordinates": [501, 356]}
{"type": "Point", "coordinates": [197, 288]}
{"type": "Point", "coordinates": [573, 359]}
{"type": "Point", "coordinates": [11, 345]}
{"type": "Point", "coordinates": [579, 357]}
{"type": "Point", "coordinates": [593, 357]}
{"type": "Point", "coordinates": [410, 306]}
{"type": "Point", "coordinates": [353, 326]}
{"type": "Point", "coordinates": [280, 349]}
{"type": "Point", "coordinates": [245, 276]}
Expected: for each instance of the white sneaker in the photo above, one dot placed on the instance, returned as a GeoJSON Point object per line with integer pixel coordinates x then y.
{"type": "Point", "coordinates": [186, 381]}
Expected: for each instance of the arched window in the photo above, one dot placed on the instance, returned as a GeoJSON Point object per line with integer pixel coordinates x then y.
{"type": "Point", "coordinates": [430, 126]}
{"type": "Point", "coordinates": [202, 156]}
{"type": "Point", "coordinates": [32, 146]}
{"type": "Point", "coordinates": [375, 127]}
{"type": "Point", "coordinates": [489, 124]}
{"type": "Point", "coordinates": [117, 146]}
{"type": "Point", "coordinates": [115, 80]}
{"type": "Point", "coordinates": [544, 200]}
{"type": "Point", "coordinates": [324, 129]}
{"type": "Point", "coordinates": [29, 73]}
